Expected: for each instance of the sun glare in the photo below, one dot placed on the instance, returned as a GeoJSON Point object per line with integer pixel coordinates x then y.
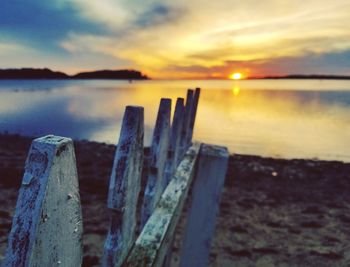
{"type": "Point", "coordinates": [236, 76]}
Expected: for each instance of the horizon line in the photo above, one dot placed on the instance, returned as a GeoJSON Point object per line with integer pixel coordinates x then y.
{"type": "Point", "coordinates": [256, 77]}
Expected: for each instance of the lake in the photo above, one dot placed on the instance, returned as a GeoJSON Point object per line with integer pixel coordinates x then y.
{"type": "Point", "coordinates": [277, 118]}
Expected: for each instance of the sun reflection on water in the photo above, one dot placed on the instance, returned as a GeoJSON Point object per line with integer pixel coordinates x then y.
{"type": "Point", "coordinates": [269, 122]}
{"type": "Point", "coordinates": [236, 90]}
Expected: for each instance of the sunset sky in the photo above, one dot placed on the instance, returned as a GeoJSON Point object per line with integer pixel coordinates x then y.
{"type": "Point", "coordinates": [178, 38]}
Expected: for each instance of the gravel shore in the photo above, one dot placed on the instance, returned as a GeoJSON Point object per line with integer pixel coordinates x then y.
{"type": "Point", "coordinates": [274, 212]}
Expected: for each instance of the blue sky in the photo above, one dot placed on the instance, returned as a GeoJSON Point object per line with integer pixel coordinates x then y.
{"type": "Point", "coordinates": [178, 39]}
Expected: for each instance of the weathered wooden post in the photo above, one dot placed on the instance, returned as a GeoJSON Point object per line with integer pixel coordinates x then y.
{"type": "Point", "coordinates": [47, 226]}
{"type": "Point", "coordinates": [174, 153]}
{"type": "Point", "coordinates": [175, 138]}
{"type": "Point", "coordinates": [124, 188]}
{"type": "Point", "coordinates": [158, 155]}
{"type": "Point", "coordinates": [193, 114]}
{"type": "Point", "coordinates": [155, 239]}
{"type": "Point", "coordinates": [186, 122]}
{"type": "Point", "coordinates": [206, 193]}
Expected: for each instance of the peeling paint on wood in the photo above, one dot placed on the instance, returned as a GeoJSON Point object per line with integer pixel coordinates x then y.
{"type": "Point", "coordinates": [186, 122]}
{"type": "Point", "coordinates": [47, 225]}
{"type": "Point", "coordinates": [152, 244]}
{"type": "Point", "coordinates": [173, 153]}
{"type": "Point", "coordinates": [175, 138]}
{"type": "Point", "coordinates": [204, 207]}
{"type": "Point", "coordinates": [124, 188]}
{"type": "Point", "coordinates": [158, 156]}
{"type": "Point", "coordinates": [193, 114]}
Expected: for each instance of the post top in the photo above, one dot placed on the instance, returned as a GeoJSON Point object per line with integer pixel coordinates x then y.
{"type": "Point", "coordinates": [165, 102]}
{"type": "Point", "coordinates": [190, 92]}
{"type": "Point", "coordinates": [53, 140]}
{"type": "Point", "coordinates": [214, 150]}
{"type": "Point", "coordinates": [134, 107]}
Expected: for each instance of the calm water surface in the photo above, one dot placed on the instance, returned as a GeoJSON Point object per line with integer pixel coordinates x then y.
{"type": "Point", "coordinates": [279, 118]}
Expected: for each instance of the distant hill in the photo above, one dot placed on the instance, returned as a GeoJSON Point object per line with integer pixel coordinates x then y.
{"type": "Point", "coordinates": [31, 73]}
{"type": "Point", "coordinates": [302, 76]}
{"type": "Point", "coordinates": [111, 74]}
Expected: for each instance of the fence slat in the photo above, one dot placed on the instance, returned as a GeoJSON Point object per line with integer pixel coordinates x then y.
{"type": "Point", "coordinates": [158, 155]}
{"type": "Point", "coordinates": [155, 239]}
{"type": "Point", "coordinates": [124, 188]}
{"type": "Point", "coordinates": [193, 114]}
{"type": "Point", "coordinates": [47, 225]}
{"type": "Point", "coordinates": [186, 122]}
{"type": "Point", "coordinates": [206, 193]}
{"type": "Point", "coordinates": [175, 137]}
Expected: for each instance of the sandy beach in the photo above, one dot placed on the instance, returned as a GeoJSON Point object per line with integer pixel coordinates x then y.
{"type": "Point", "coordinates": [274, 212]}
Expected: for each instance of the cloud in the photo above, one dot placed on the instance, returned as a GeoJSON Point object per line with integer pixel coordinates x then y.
{"type": "Point", "coordinates": [9, 48]}
{"type": "Point", "coordinates": [337, 63]}
{"type": "Point", "coordinates": [109, 13]}
{"type": "Point", "coordinates": [41, 23]}
{"type": "Point", "coordinates": [159, 14]}
{"type": "Point", "coordinates": [156, 36]}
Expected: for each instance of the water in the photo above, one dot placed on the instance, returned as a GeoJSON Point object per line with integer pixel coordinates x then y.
{"type": "Point", "coordinates": [279, 118]}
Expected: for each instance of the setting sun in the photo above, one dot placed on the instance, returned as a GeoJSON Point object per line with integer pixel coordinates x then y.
{"type": "Point", "coordinates": [236, 76]}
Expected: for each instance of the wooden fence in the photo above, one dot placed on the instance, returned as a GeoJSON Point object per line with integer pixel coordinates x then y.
{"type": "Point", "coordinates": [47, 227]}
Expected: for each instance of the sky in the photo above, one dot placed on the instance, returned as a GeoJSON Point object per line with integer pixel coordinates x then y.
{"type": "Point", "coordinates": [178, 38]}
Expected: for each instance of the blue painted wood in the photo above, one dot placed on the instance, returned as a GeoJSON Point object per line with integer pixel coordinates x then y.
{"type": "Point", "coordinates": [155, 239]}
{"type": "Point", "coordinates": [175, 138]}
{"type": "Point", "coordinates": [193, 114]}
{"type": "Point", "coordinates": [186, 123]}
{"type": "Point", "coordinates": [124, 188]}
{"type": "Point", "coordinates": [47, 225]}
{"type": "Point", "coordinates": [204, 207]}
{"type": "Point", "coordinates": [174, 153]}
{"type": "Point", "coordinates": [158, 156]}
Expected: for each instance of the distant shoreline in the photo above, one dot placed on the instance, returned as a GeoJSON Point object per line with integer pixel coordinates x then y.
{"type": "Point", "coordinates": [302, 77]}
{"type": "Point", "coordinates": [130, 74]}
{"type": "Point", "coordinates": [47, 74]}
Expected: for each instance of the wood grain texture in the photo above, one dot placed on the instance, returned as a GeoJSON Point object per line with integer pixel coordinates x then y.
{"type": "Point", "coordinates": [47, 226]}
{"type": "Point", "coordinates": [186, 123]}
{"type": "Point", "coordinates": [124, 188]}
{"type": "Point", "coordinates": [175, 138]}
{"type": "Point", "coordinates": [153, 243]}
{"type": "Point", "coordinates": [193, 114]}
{"type": "Point", "coordinates": [204, 207]}
{"type": "Point", "coordinates": [158, 156]}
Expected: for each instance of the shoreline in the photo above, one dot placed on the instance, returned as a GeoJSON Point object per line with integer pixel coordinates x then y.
{"type": "Point", "coordinates": [273, 211]}
{"type": "Point", "coordinates": [4, 136]}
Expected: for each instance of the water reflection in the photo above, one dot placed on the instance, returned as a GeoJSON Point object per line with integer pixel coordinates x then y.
{"type": "Point", "coordinates": [250, 117]}
{"type": "Point", "coordinates": [236, 89]}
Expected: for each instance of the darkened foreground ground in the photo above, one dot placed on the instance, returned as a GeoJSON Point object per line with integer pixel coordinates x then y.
{"type": "Point", "coordinates": [274, 212]}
